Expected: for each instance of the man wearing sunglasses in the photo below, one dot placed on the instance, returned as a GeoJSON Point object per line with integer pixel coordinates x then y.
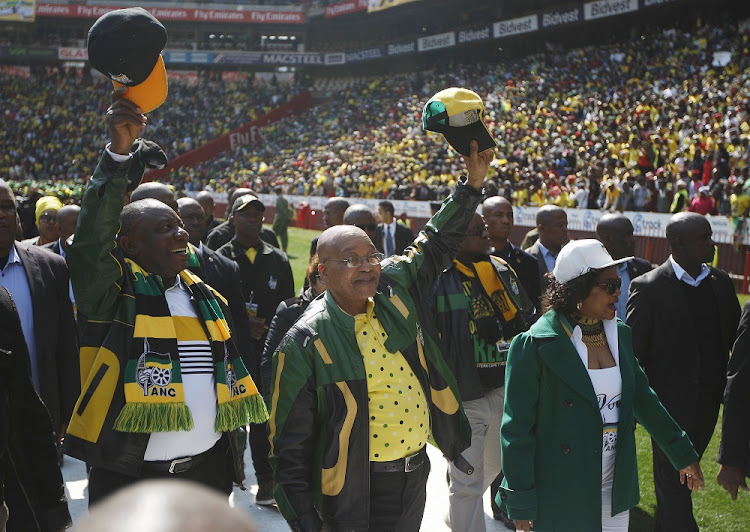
{"type": "Point", "coordinates": [360, 379]}
{"type": "Point", "coordinates": [480, 306]}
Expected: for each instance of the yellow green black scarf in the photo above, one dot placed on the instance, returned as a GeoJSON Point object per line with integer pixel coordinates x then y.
{"type": "Point", "coordinates": [491, 284]}
{"type": "Point", "coordinates": [154, 395]}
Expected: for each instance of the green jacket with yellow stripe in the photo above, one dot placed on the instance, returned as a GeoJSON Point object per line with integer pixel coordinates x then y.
{"type": "Point", "coordinates": [103, 284]}
{"type": "Point", "coordinates": [319, 426]}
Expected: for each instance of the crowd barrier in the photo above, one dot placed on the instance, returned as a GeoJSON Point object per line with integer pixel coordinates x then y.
{"type": "Point", "coordinates": [732, 248]}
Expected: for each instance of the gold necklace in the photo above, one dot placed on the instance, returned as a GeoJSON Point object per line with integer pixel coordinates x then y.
{"type": "Point", "coordinates": [592, 330]}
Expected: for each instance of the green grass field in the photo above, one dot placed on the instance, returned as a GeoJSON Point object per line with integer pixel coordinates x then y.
{"type": "Point", "coordinates": [713, 508]}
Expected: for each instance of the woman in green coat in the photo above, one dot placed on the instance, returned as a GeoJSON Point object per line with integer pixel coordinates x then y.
{"type": "Point", "coordinates": [573, 390]}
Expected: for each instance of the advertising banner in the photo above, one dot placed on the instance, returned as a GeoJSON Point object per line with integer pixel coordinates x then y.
{"type": "Point", "coordinates": [608, 8]}
{"type": "Point", "coordinates": [407, 47]}
{"type": "Point", "coordinates": [17, 11]}
{"type": "Point", "coordinates": [365, 55]}
{"type": "Point", "coordinates": [72, 54]}
{"type": "Point", "coordinates": [177, 14]}
{"type": "Point", "coordinates": [269, 58]}
{"type": "Point", "coordinates": [561, 17]}
{"type": "Point", "coordinates": [481, 33]}
{"type": "Point", "coordinates": [193, 58]}
{"type": "Point", "coordinates": [379, 5]}
{"type": "Point", "coordinates": [435, 42]}
{"type": "Point", "coordinates": [28, 52]}
{"type": "Point", "coordinates": [655, 3]}
{"type": "Point", "coordinates": [515, 26]}
{"type": "Point", "coordinates": [345, 8]}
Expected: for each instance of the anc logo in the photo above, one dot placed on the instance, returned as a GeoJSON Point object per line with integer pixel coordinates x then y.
{"type": "Point", "coordinates": [154, 369]}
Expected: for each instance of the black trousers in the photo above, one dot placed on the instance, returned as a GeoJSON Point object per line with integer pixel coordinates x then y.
{"type": "Point", "coordinates": [397, 499]}
{"type": "Point", "coordinates": [674, 503]}
{"type": "Point", "coordinates": [260, 448]}
{"type": "Point", "coordinates": [215, 472]}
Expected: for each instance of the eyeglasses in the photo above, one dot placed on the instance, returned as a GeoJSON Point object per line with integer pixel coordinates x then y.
{"type": "Point", "coordinates": [47, 218]}
{"type": "Point", "coordinates": [367, 227]}
{"type": "Point", "coordinates": [479, 231]}
{"type": "Point", "coordinates": [611, 286]}
{"type": "Point", "coordinates": [356, 262]}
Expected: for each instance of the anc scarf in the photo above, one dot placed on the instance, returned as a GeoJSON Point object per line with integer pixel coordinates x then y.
{"type": "Point", "coordinates": [491, 284]}
{"type": "Point", "coordinates": [154, 395]}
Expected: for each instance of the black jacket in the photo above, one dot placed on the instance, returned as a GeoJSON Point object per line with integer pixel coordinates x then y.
{"type": "Point", "coordinates": [224, 232]}
{"type": "Point", "coordinates": [402, 239]}
{"type": "Point", "coordinates": [268, 281]}
{"type": "Point", "coordinates": [637, 267]}
{"type": "Point", "coordinates": [223, 275]}
{"type": "Point", "coordinates": [28, 452]}
{"type": "Point", "coordinates": [286, 314]}
{"type": "Point", "coordinates": [54, 330]}
{"type": "Point", "coordinates": [735, 429]}
{"type": "Point", "coordinates": [527, 270]}
{"type": "Point", "coordinates": [535, 252]}
{"type": "Point", "coordinates": [666, 341]}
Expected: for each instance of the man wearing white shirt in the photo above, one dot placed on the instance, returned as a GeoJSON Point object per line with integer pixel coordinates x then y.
{"type": "Point", "coordinates": [684, 315]}
{"type": "Point", "coordinates": [552, 224]}
{"type": "Point", "coordinates": [391, 237]}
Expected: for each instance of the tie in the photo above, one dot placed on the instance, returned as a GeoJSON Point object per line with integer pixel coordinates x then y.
{"type": "Point", "coordinates": [389, 245]}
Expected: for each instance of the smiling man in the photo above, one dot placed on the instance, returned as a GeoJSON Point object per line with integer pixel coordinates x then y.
{"type": "Point", "coordinates": [360, 381]}
{"type": "Point", "coordinates": [163, 383]}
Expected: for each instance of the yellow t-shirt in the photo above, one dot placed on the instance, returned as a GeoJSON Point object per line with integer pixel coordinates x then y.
{"type": "Point", "coordinates": [398, 411]}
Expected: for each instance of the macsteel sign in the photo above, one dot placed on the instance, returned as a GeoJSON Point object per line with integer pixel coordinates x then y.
{"type": "Point", "coordinates": [177, 14]}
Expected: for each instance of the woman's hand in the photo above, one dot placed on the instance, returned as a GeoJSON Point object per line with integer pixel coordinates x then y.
{"type": "Point", "coordinates": [525, 525]}
{"type": "Point", "coordinates": [693, 475]}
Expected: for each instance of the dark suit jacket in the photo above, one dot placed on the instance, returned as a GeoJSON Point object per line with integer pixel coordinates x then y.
{"type": "Point", "coordinates": [54, 247]}
{"type": "Point", "coordinates": [735, 429]}
{"type": "Point", "coordinates": [535, 252]}
{"type": "Point", "coordinates": [527, 268]}
{"type": "Point", "coordinates": [55, 331]}
{"type": "Point", "coordinates": [224, 232]}
{"type": "Point", "coordinates": [666, 343]}
{"type": "Point", "coordinates": [637, 267]}
{"type": "Point", "coordinates": [223, 275]}
{"type": "Point", "coordinates": [402, 239]}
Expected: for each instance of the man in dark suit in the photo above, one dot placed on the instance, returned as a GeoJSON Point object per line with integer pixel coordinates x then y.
{"type": "Point", "coordinates": [206, 200]}
{"type": "Point", "coordinates": [224, 232]}
{"type": "Point", "coordinates": [498, 215]}
{"type": "Point", "coordinates": [38, 282]}
{"type": "Point", "coordinates": [333, 214]}
{"type": "Point", "coordinates": [391, 237]}
{"type": "Point", "coordinates": [734, 452]}
{"type": "Point", "coordinates": [615, 231]}
{"type": "Point", "coordinates": [684, 316]}
{"type": "Point", "coordinates": [66, 220]}
{"type": "Point", "coordinates": [552, 224]}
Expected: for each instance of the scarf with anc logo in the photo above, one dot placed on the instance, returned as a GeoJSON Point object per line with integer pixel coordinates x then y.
{"type": "Point", "coordinates": [492, 286]}
{"type": "Point", "coordinates": [154, 395]}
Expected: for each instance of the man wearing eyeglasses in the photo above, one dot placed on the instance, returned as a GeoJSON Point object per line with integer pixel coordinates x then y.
{"type": "Point", "coordinates": [266, 281]}
{"type": "Point", "coordinates": [360, 380]}
{"type": "Point", "coordinates": [480, 306]}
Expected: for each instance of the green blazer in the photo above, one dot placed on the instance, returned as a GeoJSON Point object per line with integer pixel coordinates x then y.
{"type": "Point", "coordinates": [551, 434]}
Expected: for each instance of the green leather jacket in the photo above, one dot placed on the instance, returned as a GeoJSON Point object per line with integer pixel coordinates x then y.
{"type": "Point", "coordinates": [319, 416]}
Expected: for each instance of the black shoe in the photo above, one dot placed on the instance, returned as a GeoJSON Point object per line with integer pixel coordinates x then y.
{"type": "Point", "coordinates": [500, 515]}
{"type": "Point", "coordinates": [264, 497]}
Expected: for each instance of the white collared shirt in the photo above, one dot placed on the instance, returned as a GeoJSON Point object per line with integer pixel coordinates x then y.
{"type": "Point", "coordinates": [685, 277]}
{"type": "Point", "coordinates": [610, 331]}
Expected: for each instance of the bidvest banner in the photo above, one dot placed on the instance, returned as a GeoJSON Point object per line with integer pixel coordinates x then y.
{"type": "Point", "coordinates": [561, 17]}
{"type": "Point", "coordinates": [608, 8]}
{"type": "Point", "coordinates": [515, 26]}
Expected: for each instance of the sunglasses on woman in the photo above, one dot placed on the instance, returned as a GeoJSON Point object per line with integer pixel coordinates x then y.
{"type": "Point", "coordinates": [611, 286]}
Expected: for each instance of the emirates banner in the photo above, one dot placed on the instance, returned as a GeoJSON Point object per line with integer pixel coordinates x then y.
{"type": "Point", "coordinates": [17, 11]}
{"type": "Point", "coordinates": [345, 8]}
{"type": "Point", "coordinates": [174, 14]}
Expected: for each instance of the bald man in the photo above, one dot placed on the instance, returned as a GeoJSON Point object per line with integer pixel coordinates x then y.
{"type": "Point", "coordinates": [360, 379]}
{"type": "Point", "coordinates": [224, 232]}
{"type": "Point", "coordinates": [333, 215]}
{"type": "Point", "coordinates": [498, 215]}
{"type": "Point", "coordinates": [361, 216]}
{"type": "Point", "coordinates": [157, 191]}
{"type": "Point", "coordinates": [615, 231]}
{"type": "Point", "coordinates": [684, 315]}
{"type": "Point", "coordinates": [206, 201]}
{"type": "Point", "coordinates": [552, 224]}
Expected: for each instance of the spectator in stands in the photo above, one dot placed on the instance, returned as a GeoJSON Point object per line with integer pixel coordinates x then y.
{"type": "Point", "coordinates": [480, 307]}
{"type": "Point", "coordinates": [266, 281]}
{"type": "Point", "coordinates": [686, 368]}
{"type": "Point", "coordinates": [46, 221]}
{"type": "Point", "coordinates": [333, 215]}
{"type": "Point", "coordinates": [361, 216]}
{"type": "Point", "coordinates": [32, 494]}
{"type": "Point", "coordinates": [38, 282]}
{"type": "Point", "coordinates": [703, 203]}
{"type": "Point", "coordinates": [615, 231]}
{"type": "Point", "coordinates": [391, 237]}
{"type": "Point", "coordinates": [552, 225]}
{"type": "Point", "coordinates": [734, 451]}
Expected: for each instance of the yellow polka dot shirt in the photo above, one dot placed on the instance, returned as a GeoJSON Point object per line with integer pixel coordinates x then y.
{"type": "Point", "coordinates": [399, 416]}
